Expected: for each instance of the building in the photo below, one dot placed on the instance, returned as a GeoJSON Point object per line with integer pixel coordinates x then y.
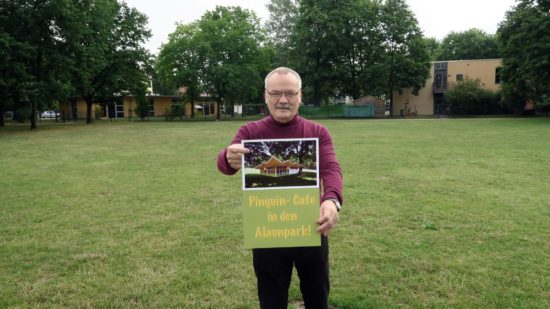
{"type": "Point", "coordinates": [369, 106]}
{"type": "Point", "coordinates": [274, 167]}
{"type": "Point", "coordinates": [445, 75]}
{"type": "Point", "coordinates": [123, 107]}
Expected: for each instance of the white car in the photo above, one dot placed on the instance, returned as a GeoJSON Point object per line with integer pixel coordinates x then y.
{"type": "Point", "coordinates": [49, 114]}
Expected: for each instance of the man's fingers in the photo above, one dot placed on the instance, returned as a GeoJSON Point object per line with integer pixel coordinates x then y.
{"type": "Point", "coordinates": [325, 224]}
{"type": "Point", "coordinates": [322, 220]}
{"type": "Point", "coordinates": [241, 150]}
{"type": "Point", "coordinates": [238, 149]}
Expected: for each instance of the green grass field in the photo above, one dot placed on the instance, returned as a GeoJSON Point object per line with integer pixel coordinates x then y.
{"type": "Point", "coordinates": [437, 213]}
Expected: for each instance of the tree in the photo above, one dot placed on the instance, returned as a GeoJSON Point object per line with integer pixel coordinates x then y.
{"type": "Point", "coordinates": [160, 85]}
{"type": "Point", "coordinates": [407, 59]}
{"type": "Point", "coordinates": [433, 45]}
{"type": "Point", "coordinates": [106, 50]}
{"type": "Point", "coordinates": [524, 38]}
{"type": "Point", "coordinates": [470, 44]}
{"type": "Point", "coordinates": [235, 55]}
{"type": "Point", "coordinates": [363, 57]}
{"type": "Point", "coordinates": [33, 33]}
{"type": "Point", "coordinates": [13, 73]}
{"type": "Point", "coordinates": [322, 41]}
{"type": "Point", "coordinates": [280, 27]}
{"type": "Point", "coordinates": [181, 60]}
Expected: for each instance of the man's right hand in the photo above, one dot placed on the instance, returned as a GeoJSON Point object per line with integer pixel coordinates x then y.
{"type": "Point", "coordinates": [235, 155]}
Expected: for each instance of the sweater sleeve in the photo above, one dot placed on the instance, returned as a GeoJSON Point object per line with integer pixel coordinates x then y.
{"type": "Point", "coordinates": [223, 165]}
{"type": "Point", "coordinates": [331, 173]}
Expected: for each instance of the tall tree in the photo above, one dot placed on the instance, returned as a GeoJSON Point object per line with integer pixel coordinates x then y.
{"type": "Point", "coordinates": [13, 73]}
{"type": "Point", "coordinates": [433, 45]}
{"type": "Point", "coordinates": [280, 27]}
{"type": "Point", "coordinates": [407, 58]}
{"type": "Point", "coordinates": [363, 58]}
{"type": "Point", "coordinates": [524, 38]}
{"type": "Point", "coordinates": [470, 44]}
{"type": "Point", "coordinates": [33, 32]}
{"type": "Point", "coordinates": [181, 60]}
{"type": "Point", "coordinates": [236, 59]}
{"type": "Point", "coordinates": [107, 51]}
{"type": "Point", "coordinates": [320, 46]}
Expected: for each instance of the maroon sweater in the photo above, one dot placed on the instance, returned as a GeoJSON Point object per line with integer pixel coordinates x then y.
{"type": "Point", "coordinates": [298, 127]}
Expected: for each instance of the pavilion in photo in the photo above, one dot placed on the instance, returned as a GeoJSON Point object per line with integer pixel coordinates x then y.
{"type": "Point", "coordinates": [274, 167]}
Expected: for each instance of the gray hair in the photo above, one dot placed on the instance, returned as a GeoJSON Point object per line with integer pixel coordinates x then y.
{"type": "Point", "coordinates": [284, 71]}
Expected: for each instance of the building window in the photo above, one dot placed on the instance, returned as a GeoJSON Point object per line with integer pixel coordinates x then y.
{"type": "Point", "coordinates": [151, 107]}
{"type": "Point", "coordinates": [459, 77]}
{"type": "Point", "coordinates": [497, 75]}
{"type": "Point", "coordinates": [119, 108]}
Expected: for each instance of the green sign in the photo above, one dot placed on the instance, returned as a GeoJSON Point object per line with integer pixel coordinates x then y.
{"type": "Point", "coordinates": [281, 218]}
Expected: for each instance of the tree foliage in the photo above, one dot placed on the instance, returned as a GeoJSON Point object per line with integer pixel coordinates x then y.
{"type": "Point", "coordinates": [53, 49]}
{"type": "Point", "coordinates": [223, 54]}
{"type": "Point", "coordinates": [407, 59]}
{"type": "Point", "coordinates": [470, 44]}
{"type": "Point", "coordinates": [358, 47]}
{"type": "Point", "coordinates": [302, 152]}
{"type": "Point", "coordinates": [524, 38]}
{"type": "Point", "coordinates": [180, 61]}
{"type": "Point", "coordinates": [433, 45]}
{"type": "Point", "coordinates": [109, 59]}
{"type": "Point", "coordinates": [318, 45]}
{"type": "Point", "coordinates": [33, 53]}
{"type": "Point", "coordinates": [280, 28]}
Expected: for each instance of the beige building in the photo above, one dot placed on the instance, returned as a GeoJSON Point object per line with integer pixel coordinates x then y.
{"type": "Point", "coordinates": [445, 75]}
{"type": "Point", "coordinates": [123, 107]}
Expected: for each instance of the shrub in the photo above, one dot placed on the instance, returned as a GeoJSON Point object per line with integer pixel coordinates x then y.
{"type": "Point", "coordinates": [470, 98]}
{"type": "Point", "coordinates": [142, 107]}
{"type": "Point", "coordinates": [97, 112]}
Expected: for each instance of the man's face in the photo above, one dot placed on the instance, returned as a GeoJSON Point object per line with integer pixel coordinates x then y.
{"type": "Point", "coordinates": [283, 96]}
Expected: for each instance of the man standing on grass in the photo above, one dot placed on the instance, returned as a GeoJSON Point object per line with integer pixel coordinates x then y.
{"type": "Point", "coordinates": [273, 266]}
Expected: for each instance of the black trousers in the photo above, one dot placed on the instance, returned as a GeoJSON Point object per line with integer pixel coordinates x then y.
{"type": "Point", "coordinates": [273, 268]}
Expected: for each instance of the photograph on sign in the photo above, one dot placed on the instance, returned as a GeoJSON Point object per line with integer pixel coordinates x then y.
{"type": "Point", "coordinates": [281, 163]}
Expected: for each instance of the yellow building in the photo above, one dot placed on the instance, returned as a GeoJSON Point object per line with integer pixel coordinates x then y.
{"type": "Point", "coordinates": [123, 107]}
{"type": "Point", "coordinates": [445, 75]}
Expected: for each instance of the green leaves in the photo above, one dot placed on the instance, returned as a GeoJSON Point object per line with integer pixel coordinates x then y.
{"type": "Point", "coordinates": [524, 38]}
{"type": "Point", "coordinates": [470, 44]}
{"type": "Point", "coordinates": [223, 54]}
{"type": "Point", "coordinates": [357, 48]}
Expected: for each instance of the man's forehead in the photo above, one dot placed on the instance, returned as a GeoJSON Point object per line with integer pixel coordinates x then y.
{"type": "Point", "coordinates": [282, 78]}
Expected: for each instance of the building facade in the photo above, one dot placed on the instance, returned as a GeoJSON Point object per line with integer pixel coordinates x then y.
{"type": "Point", "coordinates": [124, 107]}
{"type": "Point", "coordinates": [445, 75]}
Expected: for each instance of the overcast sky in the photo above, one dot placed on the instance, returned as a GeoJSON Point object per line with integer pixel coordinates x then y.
{"type": "Point", "coordinates": [436, 17]}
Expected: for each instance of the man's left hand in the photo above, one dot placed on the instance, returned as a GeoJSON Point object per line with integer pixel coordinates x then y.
{"type": "Point", "coordinates": [328, 217]}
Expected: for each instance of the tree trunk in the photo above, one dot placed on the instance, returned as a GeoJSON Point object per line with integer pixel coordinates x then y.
{"type": "Point", "coordinates": [192, 107]}
{"type": "Point", "coordinates": [391, 97]}
{"type": "Point", "coordinates": [2, 113]}
{"type": "Point", "coordinates": [89, 118]}
{"type": "Point", "coordinates": [33, 114]}
{"type": "Point", "coordinates": [218, 110]}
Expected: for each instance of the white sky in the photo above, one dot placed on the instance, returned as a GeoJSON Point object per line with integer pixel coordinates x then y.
{"type": "Point", "coordinates": [436, 17]}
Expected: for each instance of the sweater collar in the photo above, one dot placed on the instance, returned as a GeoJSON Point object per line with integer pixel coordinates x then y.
{"type": "Point", "coordinates": [272, 122]}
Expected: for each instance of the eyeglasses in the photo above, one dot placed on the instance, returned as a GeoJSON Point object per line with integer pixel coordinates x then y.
{"type": "Point", "coordinates": [277, 95]}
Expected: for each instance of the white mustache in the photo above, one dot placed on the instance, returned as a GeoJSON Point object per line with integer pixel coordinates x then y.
{"type": "Point", "coordinates": [282, 107]}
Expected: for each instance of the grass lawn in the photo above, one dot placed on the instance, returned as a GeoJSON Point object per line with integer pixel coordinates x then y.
{"type": "Point", "coordinates": [438, 213]}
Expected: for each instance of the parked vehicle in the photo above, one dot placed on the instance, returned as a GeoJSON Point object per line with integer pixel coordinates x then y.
{"type": "Point", "coordinates": [49, 114]}
{"type": "Point", "coordinates": [8, 115]}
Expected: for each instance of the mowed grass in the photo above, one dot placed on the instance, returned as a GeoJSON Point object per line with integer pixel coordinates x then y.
{"type": "Point", "coordinates": [437, 213]}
